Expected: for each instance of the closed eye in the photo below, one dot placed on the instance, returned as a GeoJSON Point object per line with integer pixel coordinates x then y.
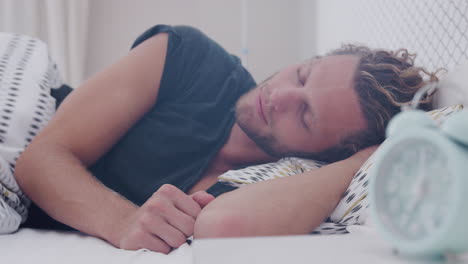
{"type": "Point", "coordinates": [303, 113]}
{"type": "Point", "coordinates": [300, 80]}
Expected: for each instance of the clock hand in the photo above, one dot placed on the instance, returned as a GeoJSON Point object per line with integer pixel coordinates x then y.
{"type": "Point", "coordinates": [417, 187]}
{"type": "Point", "coordinates": [417, 193]}
{"type": "Point", "coordinates": [413, 205]}
{"type": "Point", "coordinates": [428, 222]}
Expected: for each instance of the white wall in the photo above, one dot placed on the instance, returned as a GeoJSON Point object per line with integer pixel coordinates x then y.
{"type": "Point", "coordinates": [308, 28]}
{"type": "Point", "coordinates": [279, 32]}
{"type": "Point", "coordinates": [274, 28]}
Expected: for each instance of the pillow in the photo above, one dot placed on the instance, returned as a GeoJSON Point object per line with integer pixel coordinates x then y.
{"type": "Point", "coordinates": [452, 88]}
{"type": "Point", "coordinates": [13, 211]}
{"type": "Point", "coordinates": [27, 75]}
{"type": "Point", "coordinates": [352, 208]}
{"type": "Point", "coordinates": [282, 168]}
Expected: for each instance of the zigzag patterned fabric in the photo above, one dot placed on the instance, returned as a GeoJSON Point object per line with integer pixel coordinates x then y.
{"type": "Point", "coordinates": [26, 76]}
{"type": "Point", "coordinates": [283, 168]}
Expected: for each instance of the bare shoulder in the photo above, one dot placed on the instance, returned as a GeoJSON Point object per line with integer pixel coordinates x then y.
{"type": "Point", "coordinates": [100, 111]}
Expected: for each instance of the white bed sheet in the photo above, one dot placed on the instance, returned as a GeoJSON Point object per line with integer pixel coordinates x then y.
{"type": "Point", "coordinates": [363, 245]}
{"type": "Point", "coordinates": [40, 246]}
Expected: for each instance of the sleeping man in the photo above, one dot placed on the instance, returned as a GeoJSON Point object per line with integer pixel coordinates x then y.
{"type": "Point", "coordinates": [132, 156]}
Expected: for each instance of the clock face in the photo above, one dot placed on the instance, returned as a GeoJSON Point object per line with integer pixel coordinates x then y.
{"type": "Point", "coordinates": [413, 189]}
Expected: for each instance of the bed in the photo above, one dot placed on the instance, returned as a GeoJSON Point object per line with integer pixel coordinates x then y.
{"type": "Point", "coordinates": [31, 245]}
{"type": "Point", "coordinates": [361, 245]}
{"type": "Point", "coordinates": [40, 246]}
{"type": "Point", "coordinates": [28, 72]}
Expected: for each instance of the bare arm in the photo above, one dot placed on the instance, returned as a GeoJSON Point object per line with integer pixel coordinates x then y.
{"type": "Point", "coordinates": [286, 206]}
{"type": "Point", "coordinates": [53, 169]}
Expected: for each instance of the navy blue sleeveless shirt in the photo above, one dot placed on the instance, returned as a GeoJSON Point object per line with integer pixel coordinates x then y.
{"type": "Point", "coordinates": [190, 121]}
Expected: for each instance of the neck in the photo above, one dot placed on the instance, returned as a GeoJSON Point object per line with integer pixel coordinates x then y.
{"type": "Point", "coordinates": [240, 150]}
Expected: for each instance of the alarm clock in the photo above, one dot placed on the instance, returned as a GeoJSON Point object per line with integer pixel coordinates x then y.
{"type": "Point", "coordinates": [419, 185]}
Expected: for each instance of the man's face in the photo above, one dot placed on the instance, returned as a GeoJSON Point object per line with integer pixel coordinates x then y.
{"type": "Point", "coordinates": [305, 108]}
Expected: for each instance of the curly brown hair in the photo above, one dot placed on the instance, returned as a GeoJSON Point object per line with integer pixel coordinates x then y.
{"type": "Point", "coordinates": [384, 81]}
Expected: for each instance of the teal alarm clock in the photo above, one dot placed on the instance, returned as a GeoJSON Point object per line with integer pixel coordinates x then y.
{"type": "Point", "coordinates": [419, 189]}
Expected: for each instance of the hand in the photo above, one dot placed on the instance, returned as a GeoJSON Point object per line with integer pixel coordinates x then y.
{"type": "Point", "coordinates": [164, 221]}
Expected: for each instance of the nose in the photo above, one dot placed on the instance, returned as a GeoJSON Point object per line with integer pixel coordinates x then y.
{"type": "Point", "coordinates": [286, 99]}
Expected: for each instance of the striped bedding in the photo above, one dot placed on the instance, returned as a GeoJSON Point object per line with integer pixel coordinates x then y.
{"type": "Point", "coordinates": [27, 75]}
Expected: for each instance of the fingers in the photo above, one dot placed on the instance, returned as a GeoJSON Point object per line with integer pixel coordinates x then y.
{"type": "Point", "coordinates": [140, 238]}
{"type": "Point", "coordinates": [168, 218]}
{"type": "Point", "coordinates": [154, 243]}
{"type": "Point", "coordinates": [164, 221]}
{"type": "Point", "coordinates": [163, 208]}
{"type": "Point", "coordinates": [168, 233]}
{"type": "Point", "coordinates": [180, 200]}
{"type": "Point", "coordinates": [202, 198]}
{"type": "Point", "coordinates": [155, 222]}
{"type": "Point", "coordinates": [179, 220]}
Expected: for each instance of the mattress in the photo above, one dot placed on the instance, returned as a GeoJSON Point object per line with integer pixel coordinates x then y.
{"type": "Point", "coordinates": [362, 245]}
{"type": "Point", "coordinates": [46, 246]}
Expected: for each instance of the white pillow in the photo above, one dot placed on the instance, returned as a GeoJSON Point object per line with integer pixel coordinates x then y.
{"type": "Point", "coordinates": [452, 88]}
{"type": "Point", "coordinates": [26, 76]}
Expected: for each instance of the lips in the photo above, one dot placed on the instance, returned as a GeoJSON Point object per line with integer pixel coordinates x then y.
{"type": "Point", "coordinates": [260, 111]}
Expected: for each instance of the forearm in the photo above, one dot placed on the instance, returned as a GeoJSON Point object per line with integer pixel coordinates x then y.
{"type": "Point", "coordinates": [61, 185]}
{"type": "Point", "coordinates": [285, 206]}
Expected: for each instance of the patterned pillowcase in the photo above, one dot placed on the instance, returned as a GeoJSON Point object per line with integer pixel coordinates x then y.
{"type": "Point", "coordinates": [352, 208]}
{"type": "Point", "coordinates": [27, 75]}
{"type": "Point", "coordinates": [282, 168]}
{"type": "Point", "coordinates": [348, 210]}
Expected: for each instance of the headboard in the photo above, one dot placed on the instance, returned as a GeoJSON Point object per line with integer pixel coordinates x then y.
{"type": "Point", "coordinates": [437, 30]}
